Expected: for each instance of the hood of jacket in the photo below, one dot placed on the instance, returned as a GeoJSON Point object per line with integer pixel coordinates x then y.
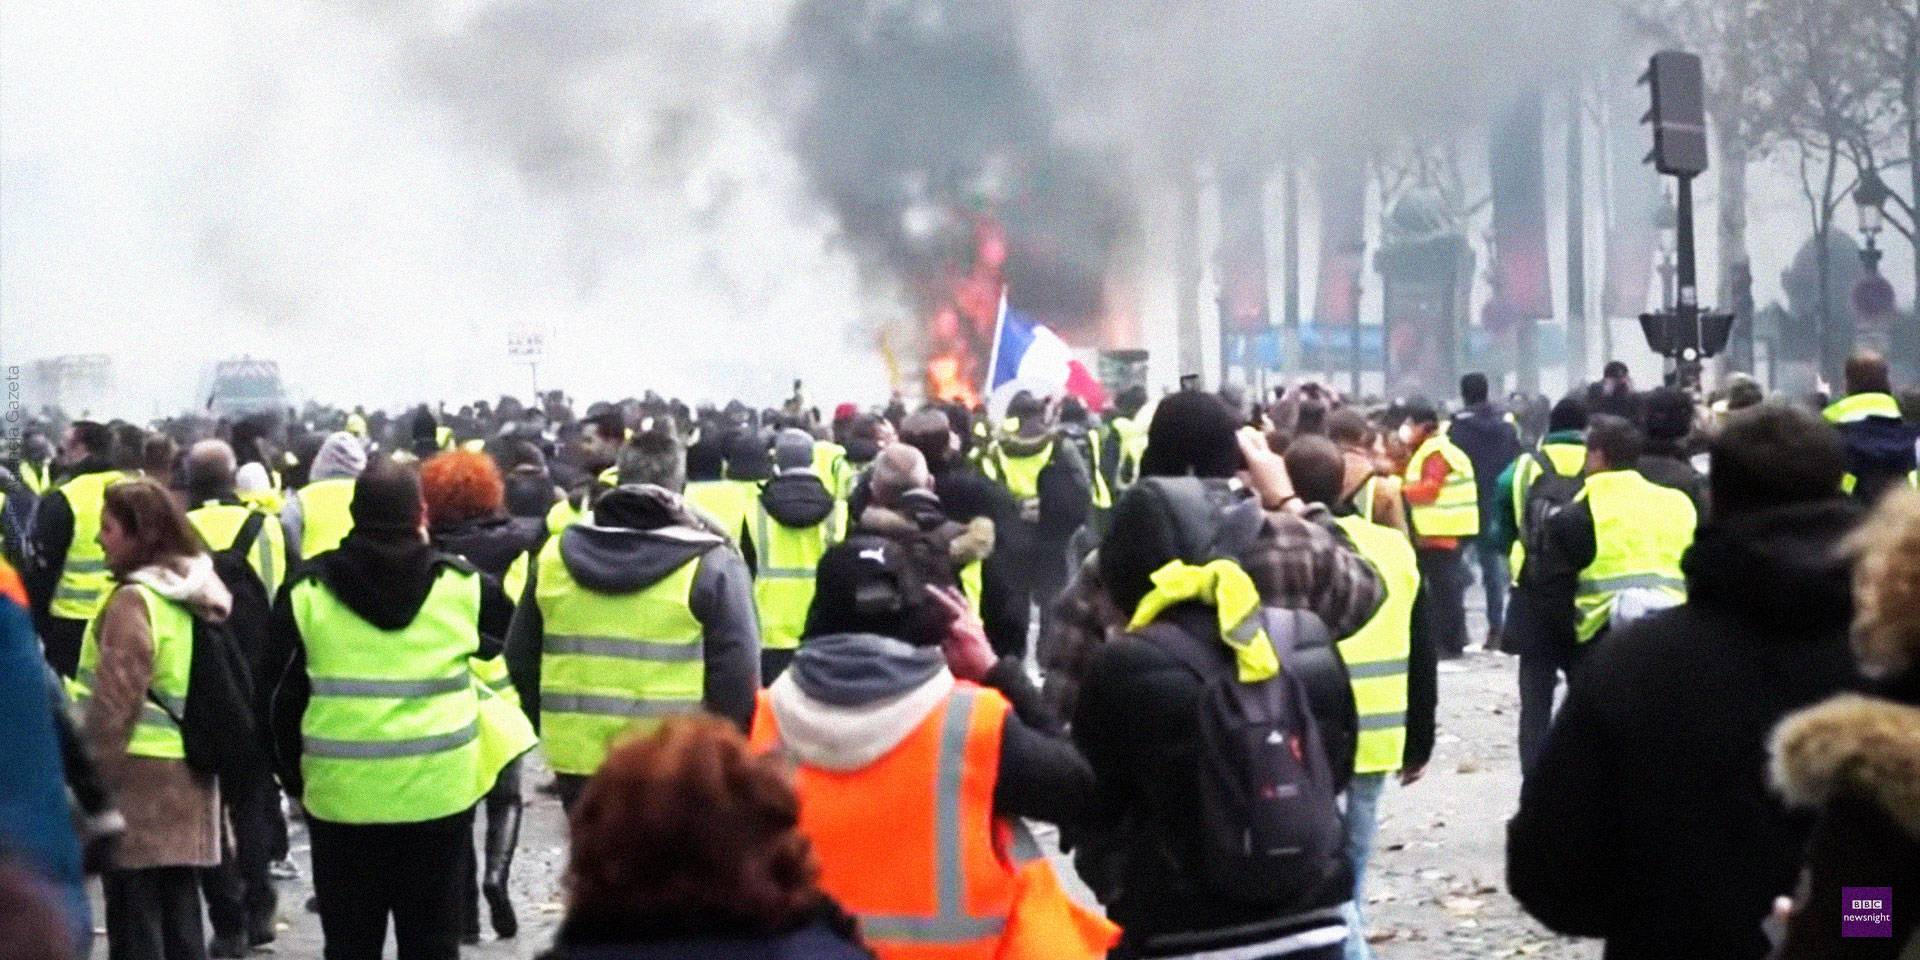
{"type": "Point", "coordinates": [849, 698]}
{"type": "Point", "coordinates": [1023, 444]}
{"type": "Point", "coordinates": [1776, 567]}
{"type": "Point", "coordinates": [192, 582]}
{"type": "Point", "coordinates": [636, 536]}
{"type": "Point", "coordinates": [341, 456]}
{"type": "Point", "coordinates": [797, 499]}
{"type": "Point", "coordinates": [1866, 745]}
{"type": "Point", "coordinates": [491, 544]}
{"type": "Point", "coordinates": [383, 576]}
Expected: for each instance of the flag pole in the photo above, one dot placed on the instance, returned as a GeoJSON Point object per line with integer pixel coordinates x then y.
{"type": "Point", "coordinates": [993, 354]}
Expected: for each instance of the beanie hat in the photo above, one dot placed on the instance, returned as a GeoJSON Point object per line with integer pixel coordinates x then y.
{"type": "Point", "coordinates": [1669, 414]}
{"type": "Point", "coordinates": [793, 450]}
{"type": "Point", "coordinates": [1192, 434]}
{"type": "Point", "coordinates": [747, 457]}
{"type": "Point", "coordinates": [387, 499]}
{"type": "Point", "coordinates": [845, 411]}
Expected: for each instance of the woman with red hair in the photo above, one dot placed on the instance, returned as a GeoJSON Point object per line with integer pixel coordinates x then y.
{"type": "Point", "coordinates": [687, 846]}
{"type": "Point", "coordinates": [467, 517]}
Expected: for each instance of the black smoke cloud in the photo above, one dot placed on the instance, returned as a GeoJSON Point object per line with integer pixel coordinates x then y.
{"type": "Point", "coordinates": [907, 116]}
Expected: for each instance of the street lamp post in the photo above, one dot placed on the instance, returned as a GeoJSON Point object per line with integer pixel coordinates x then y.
{"type": "Point", "coordinates": [1873, 298]}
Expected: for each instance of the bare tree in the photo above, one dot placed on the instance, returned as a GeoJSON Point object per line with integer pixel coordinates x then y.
{"type": "Point", "coordinates": [1833, 108]}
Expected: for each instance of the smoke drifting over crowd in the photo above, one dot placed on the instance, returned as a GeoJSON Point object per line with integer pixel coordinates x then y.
{"type": "Point", "coordinates": [374, 192]}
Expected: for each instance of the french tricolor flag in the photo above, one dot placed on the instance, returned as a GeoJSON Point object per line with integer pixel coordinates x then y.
{"type": "Point", "coordinates": [1029, 356]}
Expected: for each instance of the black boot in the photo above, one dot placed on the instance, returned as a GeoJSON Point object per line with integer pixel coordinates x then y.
{"type": "Point", "coordinates": [503, 835]}
{"type": "Point", "coordinates": [227, 946]}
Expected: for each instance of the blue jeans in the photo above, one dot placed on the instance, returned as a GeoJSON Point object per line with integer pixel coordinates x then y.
{"type": "Point", "coordinates": [1362, 819]}
{"type": "Point", "coordinates": [1492, 563]}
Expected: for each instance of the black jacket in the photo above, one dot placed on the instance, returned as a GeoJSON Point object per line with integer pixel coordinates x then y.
{"type": "Point", "coordinates": [1484, 435]}
{"type": "Point", "coordinates": [965, 495]}
{"type": "Point", "coordinates": [1135, 721]}
{"type": "Point", "coordinates": [1648, 820]}
{"type": "Point", "coordinates": [1667, 466]}
{"type": "Point", "coordinates": [491, 544]}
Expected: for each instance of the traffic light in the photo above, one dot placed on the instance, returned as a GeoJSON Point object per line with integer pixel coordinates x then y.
{"type": "Point", "coordinates": [1678, 114]}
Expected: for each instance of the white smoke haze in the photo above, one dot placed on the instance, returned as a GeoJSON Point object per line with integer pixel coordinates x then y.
{"type": "Point", "coordinates": [704, 198]}
{"type": "Point", "coordinates": [373, 194]}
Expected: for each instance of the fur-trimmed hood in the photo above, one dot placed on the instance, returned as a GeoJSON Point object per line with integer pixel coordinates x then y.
{"type": "Point", "coordinates": [1865, 745]}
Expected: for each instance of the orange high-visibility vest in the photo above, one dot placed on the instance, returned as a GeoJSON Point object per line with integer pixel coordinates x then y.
{"type": "Point", "coordinates": [945, 880]}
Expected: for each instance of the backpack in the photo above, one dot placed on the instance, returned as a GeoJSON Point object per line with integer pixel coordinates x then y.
{"type": "Point", "coordinates": [218, 727]}
{"type": "Point", "coordinates": [1269, 829]}
{"type": "Point", "coordinates": [1551, 491]}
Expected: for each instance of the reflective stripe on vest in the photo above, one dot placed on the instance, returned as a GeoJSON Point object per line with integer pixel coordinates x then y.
{"type": "Point", "coordinates": [951, 898]}
{"type": "Point", "coordinates": [1020, 474]}
{"type": "Point", "coordinates": [325, 515]}
{"type": "Point", "coordinates": [391, 729]}
{"type": "Point", "coordinates": [1640, 532]}
{"type": "Point", "coordinates": [1456, 512]}
{"type": "Point", "coordinates": [1376, 654]}
{"type": "Point", "coordinates": [84, 579]}
{"type": "Point", "coordinates": [788, 557]}
{"type": "Point", "coordinates": [613, 665]}
{"type": "Point", "coordinates": [219, 523]}
{"type": "Point", "coordinates": [155, 734]}
{"type": "Point", "coordinates": [1860, 406]}
{"type": "Point", "coordinates": [1569, 460]}
{"type": "Point", "coordinates": [722, 500]}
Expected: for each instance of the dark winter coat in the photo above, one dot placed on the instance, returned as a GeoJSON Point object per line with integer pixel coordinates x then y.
{"type": "Point", "coordinates": [1666, 464]}
{"type": "Point", "coordinates": [1857, 759]}
{"type": "Point", "coordinates": [825, 938]}
{"type": "Point", "coordinates": [1136, 722]}
{"type": "Point", "coordinates": [1648, 820]}
{"type": "Point", "coordinates": [1880, 454]}
{"type": "Point", "coordinates": [966, 496]}
{"type": "Point", "coordinates": [1484, 435]}
{"type": "Point", "coordinates": [491, 544]}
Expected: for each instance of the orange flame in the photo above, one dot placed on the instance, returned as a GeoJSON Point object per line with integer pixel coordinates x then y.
{"type": "Point", "coordinates": [967, 304]}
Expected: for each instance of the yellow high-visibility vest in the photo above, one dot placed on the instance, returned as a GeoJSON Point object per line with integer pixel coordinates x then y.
{"type": "Point", "coordinates": [1376, 655]}
{"type": "Point", "coordinates": [1640, 532]}
{"type": "Point", "coordinates": [219, 523]}
{"type": "Point", "coordinates": [326, 515]}
{"type": "Point", "coordinates": [156, 733]}
{"type": "Point", "coordinates": [726, 501]}
{"type": "Point", "coordinates": [1456, 512]}
{"type": "Point", "coordinates": [613, 665]}
{"type": "Point", "coordinates": [397, 730]}
{"type": "Point", "coordinates": [788, 558]}
{"type": "Point", "coordinates": [84, 579]}
{"type": "Point", "coordinates": [1569, 460]}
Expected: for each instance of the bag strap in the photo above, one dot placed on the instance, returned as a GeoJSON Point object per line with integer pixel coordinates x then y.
{"type": "Point", "coordinates": [1546, 463]}
{"type": "Point", "coordinates": [249, 532]}
{"type": "Point", "coordinates": [1209, 657]}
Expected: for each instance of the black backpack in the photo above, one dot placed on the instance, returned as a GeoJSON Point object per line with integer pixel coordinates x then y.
{"type": "Point", "coordinates": [218, 727]}
{"type": "Point", "coordinates": [1269, 829]}
{"type": "Point", "coordinates": [1551, 491]}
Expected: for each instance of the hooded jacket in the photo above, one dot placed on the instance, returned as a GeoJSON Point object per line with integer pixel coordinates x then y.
{"type": "Point", "coordinates": [172, 814]}
{"type": "Point", "coordinates": [341, 457]}
{"type": "Point", "coordinates": [636, 537]}
{"type": "Point", "coordinates": [1651, 790]}
{"type": "Point", "coordinates": [1856, 759]}
{"type": "Point", "coordinates": [795, 499]}
{"type": "Point", "coordinates": [491, 544]}
{"type": "Point", "coordinates": [848, 699]}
